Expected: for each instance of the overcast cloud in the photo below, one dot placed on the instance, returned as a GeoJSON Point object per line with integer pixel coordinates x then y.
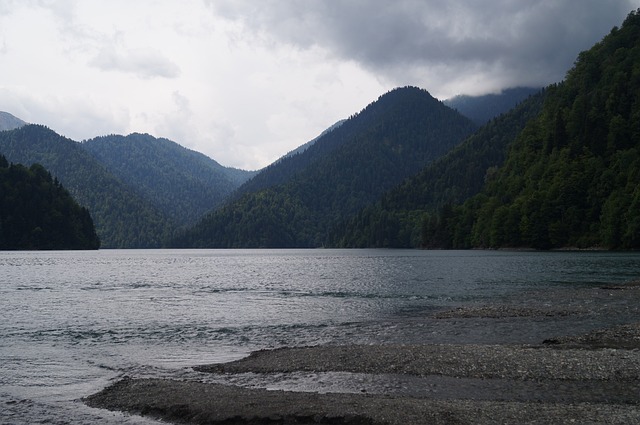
{"type": "Point", "coordinates": [245, 81]}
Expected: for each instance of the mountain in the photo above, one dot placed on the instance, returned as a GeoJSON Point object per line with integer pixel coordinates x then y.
{"type": "Point", "coordinates": [481, 109]}
{"type": "Point", "coordinates": [572, 176]}
{"type": "Point", "coordinates": [123, 218]}
{"type": "Point", "coordinates": [36, 212]}
{"type": "Point", "coordinates": [294, 202]}
{"type": "Point", "coordinates": [182, 184]}
{"type": "Point", "coordinates": [9, 122]}
{"type": "Point", "coordinates": [395, 220]}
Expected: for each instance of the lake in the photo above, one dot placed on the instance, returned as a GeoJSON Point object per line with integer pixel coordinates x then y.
{"type": "Point", "coordinates": [74, 322]}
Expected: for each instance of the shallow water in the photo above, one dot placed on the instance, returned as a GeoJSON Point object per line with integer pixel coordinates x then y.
{"type": "Point", "coordinates": [72, 322]}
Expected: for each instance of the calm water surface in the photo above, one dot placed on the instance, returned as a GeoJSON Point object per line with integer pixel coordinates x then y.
{"type": "Point", "coordinates": [73, 322]}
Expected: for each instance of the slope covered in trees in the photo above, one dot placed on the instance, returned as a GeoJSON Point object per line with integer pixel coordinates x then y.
{"type": "Point", "coordinates": [395, 220]}
{"type": "Point", "coordinates": [36, 212]}
{"type": "Point", "coordinates": [123, 218]}
{"type": "Point", "coordinates": [572, 177]}
{"type": "Point", "coordinates": [180, 183]}
{"type": "Point", "coordinates": [294, 202]}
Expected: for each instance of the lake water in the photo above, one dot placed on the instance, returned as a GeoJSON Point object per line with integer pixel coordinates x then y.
{"type": "Point", "coordinates": [71, 323]}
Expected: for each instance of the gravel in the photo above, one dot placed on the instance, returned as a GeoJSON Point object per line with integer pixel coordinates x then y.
{"type": "Point", "coordinates": [592, 378]}
{"type": "Point", "coordinates": [198, 403]}
{"type": "Point", "coordinates": [474, 361]}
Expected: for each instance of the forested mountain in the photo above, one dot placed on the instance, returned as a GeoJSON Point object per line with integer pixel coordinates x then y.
{"type": "Point", "coordinates": [481, 109]}
{"type": "Point", "coordinates": [9, 122]}
{"type": "Point", "coordinates": [182, 184]}
{"type": "Point", "coordinates": [572, 176]}
{"type": "Point", "coordinates": [123, 218]}
{"type": "Point", "coordinates": [294, 202]}
{"type": "Point", "coordinates": [395, 220]}
{"type": "Point", "coordinates": [36, 212]}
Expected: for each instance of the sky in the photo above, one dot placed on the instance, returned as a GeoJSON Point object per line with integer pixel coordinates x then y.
{"type": "Point", "coordinates": [246, 81]}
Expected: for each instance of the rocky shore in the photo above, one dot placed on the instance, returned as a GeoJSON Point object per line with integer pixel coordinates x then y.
{"type": "Point", "coordinates": [198, 403]}
{"type": "Point", "coordinates": [592, 378]}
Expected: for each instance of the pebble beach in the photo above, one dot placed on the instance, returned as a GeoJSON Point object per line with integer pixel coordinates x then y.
{"type": "Point", "coordinates": [589, 378]}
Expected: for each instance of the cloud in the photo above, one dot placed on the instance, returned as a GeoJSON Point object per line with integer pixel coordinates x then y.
{"type": "Point", "coordinates": [245, 81]}
{"type": "Point", "coordinates": [78, 117]}
{"type": "Point", "coordinates": [145, 63]}
{"type": "Point", "coordinates": [447, 44]}
{"type": "Point", "coordinates": [176, 124]}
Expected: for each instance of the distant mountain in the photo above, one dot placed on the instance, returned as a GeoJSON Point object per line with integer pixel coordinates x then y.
{"type": "Point", "coordinates": [180, 183]}
{"type": "Point", "coordinates": [481, 109]}
{"type": "Point", "coordinates": [123, 218]}
{"type": "Point", "coordinates": [572, 176]}
{"type": "Point", "coordinates": [294, 202]}
{"type": "Point", "coordinates": [36, 212]}
{"type": "Point", "coordinates": [9, 122]}
{"type": "Point", "coordinates": [395, 220]}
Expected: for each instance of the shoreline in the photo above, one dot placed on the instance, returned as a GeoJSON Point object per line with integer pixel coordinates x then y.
{"type": "Point", "coordinates": [198, 403]}
{"type": "Point", "coordinates": [592, 378]}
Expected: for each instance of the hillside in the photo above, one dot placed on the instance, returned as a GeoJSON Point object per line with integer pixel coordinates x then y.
{"type": "Point", "coordinates": [572, 177]}
{"type": "Point", "coordinates": [182, 184]}
{"type": "Point", "coordinates": [295, 201]}
{"type": "Point", "coordinates": [36, 212]}
{"type": "Point", "coordinates": [395, 220]}
{"type": "Point", "coordinates": [123, 218]}
{"type": "Point", "coordinates": [9, 122]}
{"type": "Point", "coordinates": [481, 109]}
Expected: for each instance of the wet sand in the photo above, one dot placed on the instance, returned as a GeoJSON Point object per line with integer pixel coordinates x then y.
{"type": "Point", "coordinates": [593, 378]}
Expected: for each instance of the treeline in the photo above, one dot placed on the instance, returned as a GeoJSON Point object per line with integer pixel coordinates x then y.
{"type": "Point", "coordinates": [37, 213]}
{"type": "Point", "coordinates": [572, 177]}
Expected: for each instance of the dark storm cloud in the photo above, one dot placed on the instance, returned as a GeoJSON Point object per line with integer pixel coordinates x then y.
{"type": "Point", "coordinates": [513, 42]}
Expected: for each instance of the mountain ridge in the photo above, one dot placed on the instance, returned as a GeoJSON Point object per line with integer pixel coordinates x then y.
{"type": "Point", "coordinates": [123, 219]}
{"type": "Point", "coordinates": [394, 220]}
{"type": "Point", "coordinates": [289, 204]}
{"type": "Point", "coordinates": [126, 212]}
{"type": "Point", "coordinates": [182, 183]}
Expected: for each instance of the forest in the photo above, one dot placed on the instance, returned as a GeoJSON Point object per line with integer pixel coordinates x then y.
{"type": "Point", "coordinates": [123, 218]}
{"type": "Point", "coordinates": [572, 176]}
{"type": "Point", "coordinates": [37, 213]}
{"type": "Point", "coordinates": [396, 219]}
{"type": "Point", "coordinates": [139, 189]}
{"type": "Point", "coordinates": [180, 183]}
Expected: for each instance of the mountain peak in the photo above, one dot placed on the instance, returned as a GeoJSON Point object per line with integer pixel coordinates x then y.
{"type": "Point", "coordinates": [10, 122]}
